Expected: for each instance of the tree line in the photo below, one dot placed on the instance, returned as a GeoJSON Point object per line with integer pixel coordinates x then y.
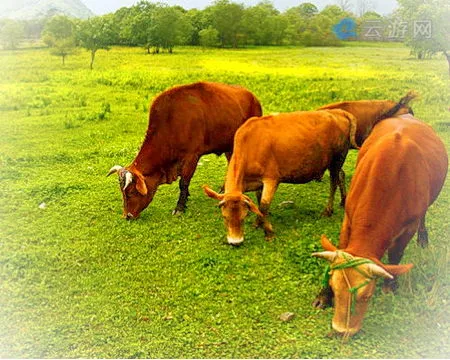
{"type": "Point", "coordinates": [159, 27]}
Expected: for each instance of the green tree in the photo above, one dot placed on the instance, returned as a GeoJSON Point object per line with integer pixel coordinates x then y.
{"type": "Point", "coordinates": [95, 33]}
{"type": "Point", "coordinates": [11, 33]}
{"type": "Point", "coordinates": [59, 35]}
{"type": "Point", "coordinates": [427, 43]}
{"type": "Point", "coordinates": [263, 24]}
{"type": "Point", "coordinates": [199, 21]}
{"type": "Point", "coordinates": [209, 37]}
{"type": "Point", "coordinates": [226, 17]}
{"type": "Point", "coordinates": [169, 26]}
{"type": "Point", "coordinates": [298, 20]}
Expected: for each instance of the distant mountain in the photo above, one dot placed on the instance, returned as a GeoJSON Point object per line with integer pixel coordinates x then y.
{"type": "Point", "coordinates": [34, 9]}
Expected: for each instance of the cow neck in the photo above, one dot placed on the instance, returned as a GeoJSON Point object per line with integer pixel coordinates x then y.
{"type": "Point", "coordinates": [150, 157]}
{"type": "Point", "coordinates": [235, 176]}
{"type": "Point", "coordinates": [368, 114]}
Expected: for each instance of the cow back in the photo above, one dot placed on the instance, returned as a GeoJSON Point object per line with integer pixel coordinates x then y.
{"type": "Point", "coordinates": [400, 171]}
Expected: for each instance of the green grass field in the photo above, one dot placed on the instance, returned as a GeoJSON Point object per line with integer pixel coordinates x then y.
{"type": "Point", "coordinates": [76, 280]}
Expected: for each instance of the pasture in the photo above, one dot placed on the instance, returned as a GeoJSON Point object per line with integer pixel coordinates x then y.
{"type": "Point", "coordinates": [77, 280]}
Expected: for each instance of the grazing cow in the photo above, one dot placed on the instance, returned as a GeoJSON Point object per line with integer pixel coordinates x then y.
{"type": "Point", "coordinates": [369, 112]}
{"type": "Point", "coordinates": [185, 122]}
{"type": "Point", "coordinates": [400, 171]}
{"type": "Point", "coordinates": [282, 148]}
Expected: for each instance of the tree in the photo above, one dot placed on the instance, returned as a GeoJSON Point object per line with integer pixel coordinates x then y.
{"type": "Point", "coordinates": [11, 32]}
{"type": "Point", "coordinates": [136, 23]}
{"type": "Point", "coordinates": [209, 37]}
{"type": "Point", "coordinates": [169, 26]}
{"type": "Point", "coordinates": [226, 17]}
{"type": "Point", "coordinates": [363, 6]}
{"type": "Point", "coordinates": [345, 5]}
{"type": "Point", "coordinates": [430, 33]}
{"type": "Point", "coordinates": [263, 25]}
{"type": "Point", "coordinates": [95, 33]}
{"type": "Point", "coordinates": [59, 35]}
{"type": "Point", "coordinates": [198, 22]}
{"type": "Point", "coordinates": [298, 19]}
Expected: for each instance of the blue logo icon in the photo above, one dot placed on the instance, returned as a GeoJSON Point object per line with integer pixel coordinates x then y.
{"type": "Point", "coordinates": [345, 29]}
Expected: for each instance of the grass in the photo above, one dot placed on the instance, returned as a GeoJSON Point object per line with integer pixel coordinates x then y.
{"type": "Point", "coordinates": [76, 280]}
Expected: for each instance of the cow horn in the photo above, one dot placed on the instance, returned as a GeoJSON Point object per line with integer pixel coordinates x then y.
{"type": "Point", "coordinates": [221, 203]}
{"type": "Point", "coordinates": [128, 179]}
{"type": "Point", "coordinates": [378, 271]}
{"type": "Point", "coordinates": [327, 255]}
{"type": "Point", "coordinates": [115, 169]}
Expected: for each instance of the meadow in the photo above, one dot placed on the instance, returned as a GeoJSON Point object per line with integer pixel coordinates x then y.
{"type": "Point", "coordinates": [77, 280]}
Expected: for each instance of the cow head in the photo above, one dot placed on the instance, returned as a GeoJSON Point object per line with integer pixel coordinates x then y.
{"type": "Point", "coordinates": [136, 193]}
{"type": "Point", "coordinates": [352, 280]}
{"type": "Point", "coordinates": [235, 207]}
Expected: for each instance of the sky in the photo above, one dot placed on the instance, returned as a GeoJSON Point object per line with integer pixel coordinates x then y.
{"type": "Point", "coordinates": [100, 7]}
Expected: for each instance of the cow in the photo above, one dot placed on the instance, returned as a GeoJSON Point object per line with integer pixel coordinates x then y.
{"type": "Point", "coordinates": [295, 148]}
{"type": "Point", "coordinates": [185, 122]}
{"type": "Point", "coordinates": [369, 112]}
{"type": "Point", "coordinates": [401, 168]}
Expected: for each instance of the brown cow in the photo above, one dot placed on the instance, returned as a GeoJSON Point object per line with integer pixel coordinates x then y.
{"type": "Point", "coordinates": [284, 148]}
{"type": "Point", "coordinates": [185, 122]}
{"type": "Point", "coordinates": [400, 171]}
{"type": "Point", "coordinates": [369, 112]}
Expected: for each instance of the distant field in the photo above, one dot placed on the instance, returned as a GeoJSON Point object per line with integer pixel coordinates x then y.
{"type": "Point", "coordinates": [76, 280]}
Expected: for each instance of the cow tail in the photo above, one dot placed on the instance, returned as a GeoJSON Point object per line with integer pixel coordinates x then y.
{"type": "Point", "coordinates": [404, 102]}
{"type": "Point", "coordinates": [352, 131]}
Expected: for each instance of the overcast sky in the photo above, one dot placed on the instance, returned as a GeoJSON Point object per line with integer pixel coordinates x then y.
{"type": "Point", "coordinates": [100, 7]}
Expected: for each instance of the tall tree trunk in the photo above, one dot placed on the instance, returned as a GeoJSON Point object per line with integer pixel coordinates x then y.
{"type": "Point", "coordinates": [63, 58]}
{"type": "Point", "coordinates": [92, 58]}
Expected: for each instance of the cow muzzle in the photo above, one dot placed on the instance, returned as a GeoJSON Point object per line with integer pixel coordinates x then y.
{"type": "Point", "coordinates": [129, 216]}
{"type": "Point", "coordinates": [235, 241]}
{"type": "Point", "coordinates": [346, 332]}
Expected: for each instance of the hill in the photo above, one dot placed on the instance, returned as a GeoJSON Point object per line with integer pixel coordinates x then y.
{"type": "Point", "coordinates": [32, 9]}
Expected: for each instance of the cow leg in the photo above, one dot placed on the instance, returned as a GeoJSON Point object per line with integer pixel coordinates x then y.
{"type": "Point", "coordinates": [422, 234]}
{"type": "Point", "coordinates": [337, 177]}
{"type": "Point", "coordinates": [324, 299]}
{"type": "Point", "coordinates": [259, 222]}
{"type": "Point", "coordinates": [334, 180]}
{"type": "Point", "coordinates": [268, 191]}
{"type": "Point", "coordinates": [342, 187]}
{"type": "Point", "coordinates": [395, 254]}
{"type": "Point", "coordinates": [187, 172]}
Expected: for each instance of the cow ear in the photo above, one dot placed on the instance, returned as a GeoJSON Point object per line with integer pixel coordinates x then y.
{"type": "Point", "coordinates": [398, 269]}
{"type": "Point", "coordinates": [326, 244]}
{"type": "Point", "coordinates": [141, 187]}
{"type": "Point", "coordinates": [212, 194]}
{"type": "Point", "coordinates": [252, 206]}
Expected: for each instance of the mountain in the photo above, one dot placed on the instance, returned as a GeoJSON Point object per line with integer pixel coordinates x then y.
{"type": "Point", "coordinates": [34, 9]}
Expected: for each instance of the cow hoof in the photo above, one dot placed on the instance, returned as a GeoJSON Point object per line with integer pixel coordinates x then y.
{"type": "Point", "coordinates": [269, 236]}
{"type": "Point", "coordinates": [177, 212]}
{"type": "Point", "coordinates": [327, 212]}
{"type": "Point", "coordinates": [258, 223]}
